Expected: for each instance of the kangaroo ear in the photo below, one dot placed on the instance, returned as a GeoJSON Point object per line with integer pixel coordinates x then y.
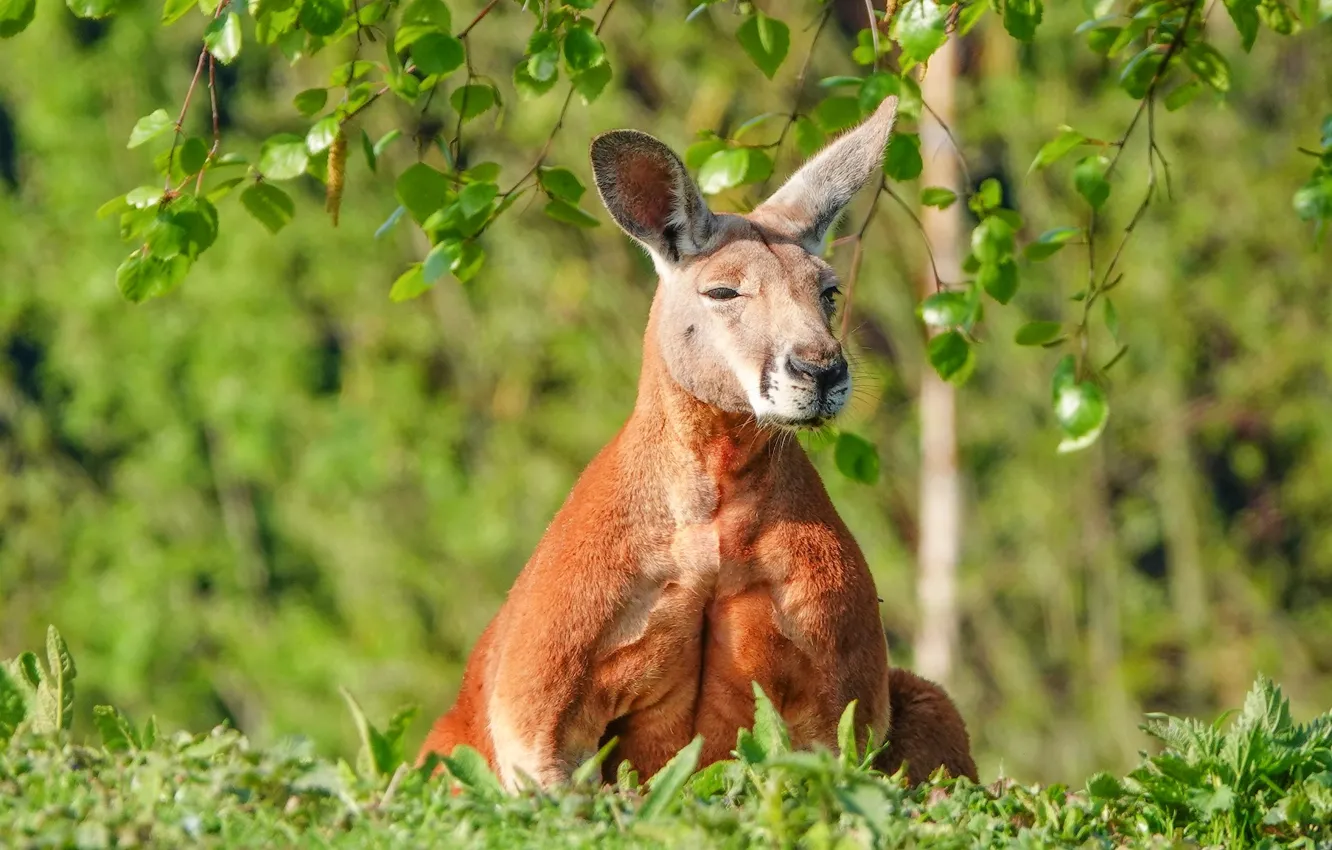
{"type": "Point", "coordinates": [650, 195]}
{"type": "Point", "coordinates": [808, 204]}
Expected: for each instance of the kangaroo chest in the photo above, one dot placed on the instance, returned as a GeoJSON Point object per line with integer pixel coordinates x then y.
{"type": "Point", "coordinates": [710, 616]}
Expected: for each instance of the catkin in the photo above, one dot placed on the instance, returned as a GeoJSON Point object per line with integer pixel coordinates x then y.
{"type": "Point", "coordinates": [337, 163]}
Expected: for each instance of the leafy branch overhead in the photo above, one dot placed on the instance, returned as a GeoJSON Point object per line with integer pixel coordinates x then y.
{"type": "Point", "coordinates": [1161, 54]}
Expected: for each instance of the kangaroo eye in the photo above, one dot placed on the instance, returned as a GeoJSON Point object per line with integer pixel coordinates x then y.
{"type": "Point", "coordinates": [830, 294]}
{"type": "Point", "coordinates": [721, 293]}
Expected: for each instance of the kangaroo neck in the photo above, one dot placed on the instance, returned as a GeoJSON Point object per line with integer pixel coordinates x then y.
{"type": "Point", "coordinates": [690, 442]}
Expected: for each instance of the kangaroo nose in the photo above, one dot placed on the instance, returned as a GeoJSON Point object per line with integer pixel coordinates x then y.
{"type": "Point", "coordinates": [824, 375]}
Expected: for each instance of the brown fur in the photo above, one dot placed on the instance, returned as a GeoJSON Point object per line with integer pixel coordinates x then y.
{"type": "Point", "coordinates": [699, 551]}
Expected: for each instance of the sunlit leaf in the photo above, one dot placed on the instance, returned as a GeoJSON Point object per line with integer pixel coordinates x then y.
{"type": "Point", "coordinates": [765, 40]}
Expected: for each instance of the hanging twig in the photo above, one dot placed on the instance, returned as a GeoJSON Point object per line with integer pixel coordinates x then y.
{"type": "Point", "coordinates": [857, 254]}
{"type": "Point", "coordinates": [559, 122]}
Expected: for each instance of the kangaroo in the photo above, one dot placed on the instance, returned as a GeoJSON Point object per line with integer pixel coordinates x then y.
{"type": "Point", "coordinates": [699, 551]}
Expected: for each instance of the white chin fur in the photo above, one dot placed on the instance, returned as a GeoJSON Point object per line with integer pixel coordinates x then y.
{"type": "Point", "coordinates": [791, 402]}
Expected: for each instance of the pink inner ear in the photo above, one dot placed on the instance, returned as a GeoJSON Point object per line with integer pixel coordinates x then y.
{"type": "Point", "coordinates": [644, 186]}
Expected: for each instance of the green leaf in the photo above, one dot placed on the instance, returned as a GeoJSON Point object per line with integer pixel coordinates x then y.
{"type": "Point", "coordinates": [1055, 149]}
{"type": "Point", "coordinates": [748, 748]}
{"type": "Point", "coordinates": [665, 786]}
{"type": "Point", "coordinates": [409, 284]}
{"type": "Point", "coordinates": [723, 170]}
{"type": "Point", "coordinates": [13, 705]}
{"type": "Point", "coordinates": [589, 772]}
{"type": "Point", "coordinates": [999, 279]}
{"type": "Point", "coordinates": [422, 190]}
{"type": "Point", "coordinates": [841, 80]}
{"type": "Point", "coordinates": [476, 197]}
{"type": "Point", "coordinates": [1111, 319]}
{"type": "Point", "coordinates": [1089, 180]}
{"type": "Point", "coordinates": [222, 189]}
{"type": "Point", "coordinates": [1021, 17]}
{"type": "Point", "coordinates": [1103, 786]}
{"type": "Point", "coordinates": [987, 198]}
{"type": "Point", "coordinates": [92, 8]}
{"type": "Point", "coordinates": [197, 217]}
{"type": "Point", "coordinates": [951, 356]}
{"type": "Point", "coordinates": [271, 206]}
{"type": "Point", "coordinates": [769, 729]}
{"type": "Point", "coordinates": [376, 756]}
{"type": "Point", "coordinates": [1140, 71]}
{"type": "Point", "coordinates": [469, 262]}
{"type": "Point", "coordinates": [712, 781]}
{"type": "Point", "coordinates": [192, 155]}
{"type": "Point", "coordinates": [1279, 17]}
{"type": "Point", "coordinates": [472, 100]}
{"type": "Point", "coordinates": [283, 157]}
{"type": "Point", "coordinates": [920, 29]}
{"type": "Point", "coordinates": [384, 141]}
{"type": "Point", "coordinates": [139, 277]}
{"type": "Point", "coordinates": [901, 159]}
{"type": "Point", "coordinates": [591, 83]}
{"type": "Point", "coordinates": [345, 73]}
{"type": "Point", "coordinates": [837, 113]}
{"type": "Point", "coordinates": [1208, 801]}
{"type": "Point", "coordinates": [699, 152]}
{"type": "Point", "coordinates": [1208, 63]}
{"type": "Point", "coordinates": [992, 240]}
{"type": "Point", "coordinates": [756, 121]}
{"type": "Point", "coordinates": [848, 751]}
{"type": "Point", "coordinates": [758, 166]}
{"type": "Point", "coordinates": [944, 310]}
{"type": "Point", "coordinates": [222, 37]}
{"type": "Point", "coordinates": [27, 672]}
{"type": "Point", "coordinates": [561, 183]}
{"type": "Point", "coordinates": [937, 196]}
{"type": "Point", "coordinates": [1313, 200]}
{"type": "Point", "coordinates": [1245, 15]}
{"type": "Point", "coordinates": [543, 56]}
{"type": "Point", "coordinates": [570, 214]}
{"type": "Point", "coordinates": [809, 138]}
{"type": "Point", "coordinates": [583, 50]}
{"type": "Point", "coordinates": [1182, 95]}
{"type": "Point", "coordinates": [150, 127]}
{"type": "Point", "coordinates": [1102, 41]}
{"type": "Point", "coordinates": [857, 459]}
{"type": "Point", "coordinates": [310, 101]}
{"type": "Point", "coordinates": [440, 259]}
{"type": "Point", "coordinates": [1049, 242]}
{"type": "Point", "coordinates": [174, 10]}
{"type": "Point", "coordinates": [1037, 333]}
{"type": "Point", "coordinates": [876, 88]}
{"type": "Point", "coordinates": [15, 16]}
{"type": "Point", "coordinates": [118, 735]}
{"type": "Point", "coordinates": [420, 18]}
{"type": "Point", "coordinates": [58, 700]}
{"type": "Point", "coordinates": [322, 17]}
{"type": "Point", "coordinates": [766, 41]}
{"type": "Point", "coordinates": [322, 134]}
{"type": "Point", "coordinates": [437, 53]}
{"type": "Point", "coordinates": [471, 770]}
{"type": "Point", "coordinates": [1081, 410]}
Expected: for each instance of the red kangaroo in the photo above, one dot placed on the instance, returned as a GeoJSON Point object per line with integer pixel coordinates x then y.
{"type": "Point", "coordinates": [699, 551]}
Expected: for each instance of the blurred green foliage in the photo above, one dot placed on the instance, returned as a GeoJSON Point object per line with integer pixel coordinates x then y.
{"type": "Point", "coordinates": [1261, 780]}
{"type": "Point", "coordinates": [277, 481]}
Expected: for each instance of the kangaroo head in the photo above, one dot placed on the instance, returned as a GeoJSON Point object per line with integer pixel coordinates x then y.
{"type": "Point", "coordinates": [744, 305]}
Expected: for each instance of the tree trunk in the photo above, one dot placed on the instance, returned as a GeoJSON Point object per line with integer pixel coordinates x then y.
{"type": "Point", "coordinates": [940, 520]}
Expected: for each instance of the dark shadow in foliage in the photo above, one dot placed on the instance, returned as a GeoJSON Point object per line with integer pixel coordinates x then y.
{"type": "Point", "coordinates": [9, 173]}
{"type": "Point", "coordinates": [23, 356]}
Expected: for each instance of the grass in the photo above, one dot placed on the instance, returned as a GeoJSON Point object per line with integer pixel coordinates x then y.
{"type": "Point", "coordinates": [1257, 779]}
